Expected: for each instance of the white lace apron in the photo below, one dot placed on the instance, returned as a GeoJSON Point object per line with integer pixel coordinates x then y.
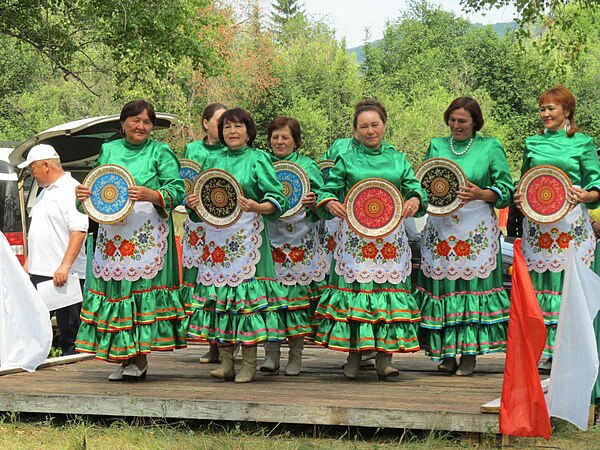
{"type": "Point", "coordinates": [298, 257]}
{"type": "Point", "coordinates": [230, 254]}
{"type": "Point", "coordinates": [546, 246]}
{"type": "Point", "coordinates": [133, 248]}
{"type": "Point", "coordinates": [366, 260]}
{"type": "Point", "coordinates": [328, 236]}
{"type": "Point", "coordinates": [462, 245]}
{"type": "Point", "coordinates": [192, 243]}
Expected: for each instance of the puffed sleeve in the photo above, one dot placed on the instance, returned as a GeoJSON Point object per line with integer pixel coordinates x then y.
{"type": "Point", "coordinates": [333, 189]}
{"type": "Point", "coordinates": [410, 186]}
{"type": "Point", "coordinates": [269, 187]}
{"type": "Point", "coordinates": [590, 168]}
{"type": "Point", "coordinates": [501, 179]}
{"type": "Point", "coordinates": [172, 188]}
{"type": "Point", "coordinates": [315, 177]}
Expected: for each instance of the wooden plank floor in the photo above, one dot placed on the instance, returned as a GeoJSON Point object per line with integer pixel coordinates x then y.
{"type": "Point", "coordinates": [179, 387]}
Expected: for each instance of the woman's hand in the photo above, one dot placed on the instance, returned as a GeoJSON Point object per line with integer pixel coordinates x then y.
{"type": "Point", "coordinates": [518, 199]}
{"type": "Point", "coordinates": [249, 205]}
{"type": "Point", "coordinates": [472, 192]}
{"type": "Point", "coordinates": [143, 194]}
{"type": "Point", "coordinates": [192, 201]}
{"type": "Point", "coordinates": [596, 228]}
{"type": "Point", "coordinates": [578, 195]}
{"type": "Point", "coordinates": [310, 201]}
{"type": "Point", "coordinates": [82, 192]}
{"type": "Point", "coordinates": [411, 206]}
{"type": "Point", "coordinates": [336, 209]}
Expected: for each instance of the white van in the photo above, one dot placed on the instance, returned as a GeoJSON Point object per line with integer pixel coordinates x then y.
{"type": "Point", "coordinates": [78, 144]}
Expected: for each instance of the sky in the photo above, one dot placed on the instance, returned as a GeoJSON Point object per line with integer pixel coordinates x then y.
{"type": "Point", "coordinates": [349, 18]}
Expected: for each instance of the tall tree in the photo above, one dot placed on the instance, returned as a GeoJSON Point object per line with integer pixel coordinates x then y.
{"type": "Point", "coordinates": [283, 11]}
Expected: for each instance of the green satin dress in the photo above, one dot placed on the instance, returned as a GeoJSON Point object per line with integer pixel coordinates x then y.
{"type": "Point", "coordinates": [576, 156]}
{"type": "Point", "coordinates": [121, 319]}
{"type": "Point", "coordinates": [369, 316]}
{"type": "Point", "coordinates": [468, 316]}
{"type": "Point", "coordinates": [200, 152]}
{"type": "Point", "coordinates": [255, 310]}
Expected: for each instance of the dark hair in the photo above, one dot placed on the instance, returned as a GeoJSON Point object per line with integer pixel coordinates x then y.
{"type": "Point", "coordinates": [280, 122]}
{"type": "Point", "coordinates": [369, 105]}
{"type": "Point", "coordinates": [238, 115]}
{"type": "Point", "coordinates": [468, 104]}
{"type": "Point", "coordinates": [371, 102]}
{"type": "Point", "coordinates": [564, 97]}
{"type": "Point", "coordinates": [210, 110]}
{"type": "Point", "coordinates": [137, 107]}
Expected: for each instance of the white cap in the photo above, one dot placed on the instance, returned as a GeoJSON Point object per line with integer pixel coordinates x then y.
{"type": "Point", "coordinates": [39, 152]}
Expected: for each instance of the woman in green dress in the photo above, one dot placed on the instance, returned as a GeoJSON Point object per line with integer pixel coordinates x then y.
{"type": "Point", "coordinates": [193, 238]}
{"type": "Point", "coordinates": [133, 304]}
{"type": "Point", "coordinates": [464, 308]}
{"type": "Point", "coordinates": [545, 245]}
{"type": "Point", "coordinates": [300, 261]}
{"type": "Point", "coordinates": [368, 305]}
{"type": "Point", "coordinates": [238, 273]}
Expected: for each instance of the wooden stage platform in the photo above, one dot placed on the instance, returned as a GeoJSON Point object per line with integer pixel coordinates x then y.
{"type": "Point", "coordinates": [179, 387]}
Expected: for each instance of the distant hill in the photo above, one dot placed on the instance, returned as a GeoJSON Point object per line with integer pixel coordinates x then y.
{"type": "Point", "coordinates": [501, 28]}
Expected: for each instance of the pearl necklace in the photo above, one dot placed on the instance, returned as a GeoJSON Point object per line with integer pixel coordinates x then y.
{"type": "Point", "coordinates": [466, 149]}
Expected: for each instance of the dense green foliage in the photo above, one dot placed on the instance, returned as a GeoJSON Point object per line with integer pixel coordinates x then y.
{"type": "Point", "coordinates": [182, 58]}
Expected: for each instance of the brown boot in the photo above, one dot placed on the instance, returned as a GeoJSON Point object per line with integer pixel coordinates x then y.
{"type": "Point", "coordinates": [212, 356]}
{"type": "Point", "coordinates": [272, 357]}
{"type": "Point", "coordinates": [246, 375]}
{"type": "Point", "coordinates": [383, 366]}
{"type": "Point", "coordinates": [352, 365]}
{"type": "Point", "coordinates": [448, 365]}
{"type": "Point", "coordinates": [295, 357]}
{"type": "Point", "coordinates": [466, 366]}
{"type": "Point", "coordinates": [226, 371]}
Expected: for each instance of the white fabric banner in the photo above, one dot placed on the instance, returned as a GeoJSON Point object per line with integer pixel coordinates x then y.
{"type": "Point", "coordinates": [575, 364]}
{"type": "Point", "coordinates": [25, 329]}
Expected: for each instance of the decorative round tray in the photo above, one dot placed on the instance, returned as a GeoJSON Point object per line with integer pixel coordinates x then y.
{"type": "Point", "coordinates": [325, 166]}
{"type": "Point", "coordinates": [295, 185]}
{"type": "Point", "coordinates": [374, 207]}
{"type": "Point", "coordinates": [441, 178]}
{"type": "Point", "coordinates": [218, 192]}
{"type": "Point", "coordinates": [189, 171]}
{"type": "Point", "coordinates": [544, 192]}
{"type": "Point", "coordinates": [109, 200]}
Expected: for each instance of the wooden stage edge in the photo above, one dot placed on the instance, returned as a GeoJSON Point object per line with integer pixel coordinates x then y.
{"type": "Point", "coordinates": [178, 387]}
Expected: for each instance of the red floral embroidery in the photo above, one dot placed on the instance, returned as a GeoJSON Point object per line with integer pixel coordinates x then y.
{"type": "Point", "coordinates": [110, 248]}
{"type": "Point", "coordinates": [297, 254]}
{"type": "Point", "coordinates": [369, 251]}
{"type": "Point", "coordinates": [461, 248]}
{"type": "Point", "coordinates": [389, 251]}
{"type": "Point", "coordinates": [278, 255]}
{"type": "Point", "coordinates": [443, 249]}
{"type": "Point", "coordinates": [545, 241]}
{"type": "Point", "coordinates": [126, 248]}
{"type": "Point", "coordinates": [206, 253]}
{"type": "Point", "coordinates": [218, 255]}
{"type": "Point", "coordinates": [194, 239]}
{"type": "Point", "coordinates": [563, 240]}
{"type": "Point", "coordinates": [330, 243]}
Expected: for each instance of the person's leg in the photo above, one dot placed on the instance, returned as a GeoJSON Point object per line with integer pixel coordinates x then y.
{"type": "Point", "coordinates": [68, 320]}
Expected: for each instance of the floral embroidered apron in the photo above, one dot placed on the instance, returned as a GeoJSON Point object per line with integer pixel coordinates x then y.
{"type": "Point", "coordinates": [298, 257]}
{"type": "Point", "coordinates": [366, 260]}
{"type": "Point", "coordinates": [545, 246]}
{"type": "Point", "coordinates": [192, 243]}
{"type": "Point", "coordinates": [133, 248]}
{"type": "Point", "coordinates": [230, 254]}
{"type": "Point", "coordinates": [462, 245]}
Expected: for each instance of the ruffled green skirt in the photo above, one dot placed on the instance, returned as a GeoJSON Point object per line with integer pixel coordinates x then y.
{"type": "Point", "coordinates": [259, 309]}
{"type": "Point", "coordinates": [121, 319]}
{"type": "Point", "coordinates": [367, 316]}
{"type": "Point", "coordinates": [463, 317]}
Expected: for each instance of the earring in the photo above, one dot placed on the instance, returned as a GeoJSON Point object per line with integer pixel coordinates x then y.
{"type": "Point", "coordinates": [568, 126]}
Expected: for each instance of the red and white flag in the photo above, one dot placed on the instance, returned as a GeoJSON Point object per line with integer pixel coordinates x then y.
{"type": "Point", "coordinates": [523, 410]}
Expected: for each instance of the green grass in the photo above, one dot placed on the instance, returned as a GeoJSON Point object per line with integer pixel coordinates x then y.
{"type": "Point", "coordinates": [39, 432]}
